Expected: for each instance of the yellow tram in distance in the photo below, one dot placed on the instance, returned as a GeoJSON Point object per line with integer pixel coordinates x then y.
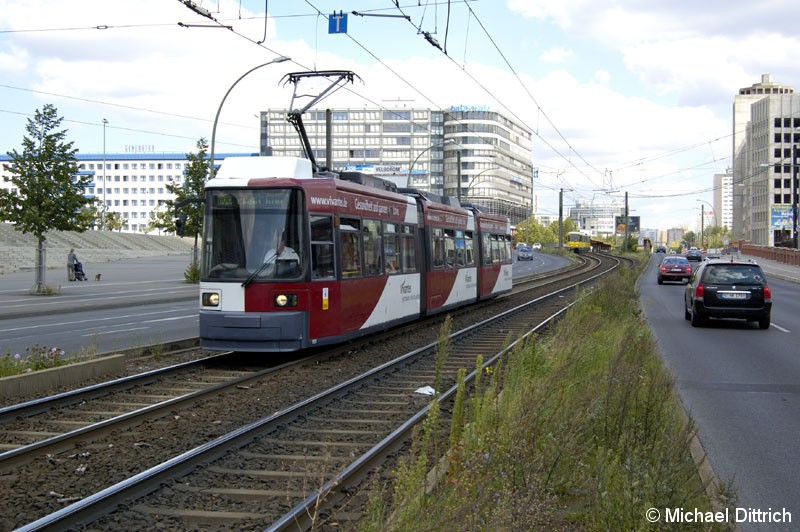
{"type": "Point", "coordinates": [578, 241]}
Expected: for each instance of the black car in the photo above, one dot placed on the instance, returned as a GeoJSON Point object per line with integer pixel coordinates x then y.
{"type": "Point", "coordinates": [728, 289]}
{"type": "Point", "coordinates": [661, 249]}
{"type": "Point", "coordinates": [694, 254]}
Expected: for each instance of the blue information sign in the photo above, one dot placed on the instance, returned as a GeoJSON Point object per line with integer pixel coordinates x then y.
{"type": "Point", "coordinates": [337, 23]}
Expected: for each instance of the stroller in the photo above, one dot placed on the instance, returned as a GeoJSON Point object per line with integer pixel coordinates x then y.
{"type": "Point", "coordinates": [79, 273]}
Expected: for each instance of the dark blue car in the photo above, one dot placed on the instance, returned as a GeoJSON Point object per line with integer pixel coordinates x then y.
{"type": "Point", "coordinates": [694, 254]}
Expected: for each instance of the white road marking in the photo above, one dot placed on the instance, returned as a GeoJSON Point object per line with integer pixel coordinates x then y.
{"type": "Point", "coordinates": [95, 321]}
{"type": "Point", "coordinates": [115, 331]}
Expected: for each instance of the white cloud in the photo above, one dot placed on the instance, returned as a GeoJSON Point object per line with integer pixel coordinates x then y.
{"type": "Point", "coordinates": [557, 54]}
{"type": "Point", "coordinates": [684, 48]}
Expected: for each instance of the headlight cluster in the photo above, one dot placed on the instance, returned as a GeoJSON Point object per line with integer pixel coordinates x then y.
{"type": "Point", "coordinates": [286, 300]}
{"type": "Point", "coordinates": [210, 299]}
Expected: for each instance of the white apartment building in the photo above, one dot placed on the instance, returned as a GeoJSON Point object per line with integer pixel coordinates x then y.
{"type": "Point", "coordinates": [773, 130]}
{"type": "Point", "coordinates": [131, 184]}
{"type": "Point", "coordinates": [766, 124]}
{"type": "Point", "coordinates": [420, 148]}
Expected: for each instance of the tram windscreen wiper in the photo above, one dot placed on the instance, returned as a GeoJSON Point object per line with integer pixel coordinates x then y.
{"type": "Point", "coordinates": [261, 268]}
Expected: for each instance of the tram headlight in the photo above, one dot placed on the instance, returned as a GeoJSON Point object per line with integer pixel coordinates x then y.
{"type": "Point", "coordinates": [210, 299]}
{"type": "Point", "coordinates": [286, 300]}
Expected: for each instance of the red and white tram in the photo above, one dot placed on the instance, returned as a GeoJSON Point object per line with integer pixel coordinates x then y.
{"type": "Point", "coordinates": [293, 260]}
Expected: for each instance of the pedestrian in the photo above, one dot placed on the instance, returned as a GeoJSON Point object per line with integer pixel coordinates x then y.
{"type": "Point", "coordinates": [71, 260]}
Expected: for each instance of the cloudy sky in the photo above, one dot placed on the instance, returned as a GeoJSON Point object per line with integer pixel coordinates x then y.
{"type": "Point", "coordinates": [625, 96]}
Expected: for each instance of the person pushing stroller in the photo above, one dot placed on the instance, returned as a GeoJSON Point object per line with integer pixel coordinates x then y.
{"type": "Point", "coordinates": [74, 267]}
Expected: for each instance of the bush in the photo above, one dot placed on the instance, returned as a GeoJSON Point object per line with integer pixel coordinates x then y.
{"type": "Point", "coordinates": [192, 273]}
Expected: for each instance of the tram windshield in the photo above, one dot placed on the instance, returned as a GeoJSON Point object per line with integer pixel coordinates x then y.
{"type": "Point", "coordinates": [253, 235]}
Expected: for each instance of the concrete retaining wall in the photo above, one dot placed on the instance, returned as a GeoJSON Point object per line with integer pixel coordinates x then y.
{"type": "Point", "coordinates": [46, 380]}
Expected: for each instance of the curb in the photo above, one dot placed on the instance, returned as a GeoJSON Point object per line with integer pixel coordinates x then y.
{"type": "Point", "coordinates": [75, 374]}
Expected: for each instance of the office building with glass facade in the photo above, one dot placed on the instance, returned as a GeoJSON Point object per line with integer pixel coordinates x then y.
{"type": "Point", "coordinates": [427, 149]}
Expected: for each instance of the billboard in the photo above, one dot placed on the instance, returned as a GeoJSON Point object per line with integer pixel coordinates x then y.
{"type": "Point", "coordinates": [781, 217]}
{"type": "Point", "coordinates": [633, 225]}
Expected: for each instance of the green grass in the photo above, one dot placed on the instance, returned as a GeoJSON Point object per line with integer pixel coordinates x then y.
{"type": "Point", "coordinates": [577, 431]}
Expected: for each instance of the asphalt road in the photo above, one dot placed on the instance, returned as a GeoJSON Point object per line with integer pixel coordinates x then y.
{"type": "Point", "coordinates": [137, 303]}
{"type": "Point", "coordinates": [102, 330]}
{"type": "Point", "coordinates": [742, 387]}
{"type": "Point", "coordinates": [540, 262]}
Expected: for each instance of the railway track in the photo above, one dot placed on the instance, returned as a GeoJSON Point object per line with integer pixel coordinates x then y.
{"type": "Point", "coordinates": [59, 422]}
{"type": "Point", "coordinates": [278, 471]}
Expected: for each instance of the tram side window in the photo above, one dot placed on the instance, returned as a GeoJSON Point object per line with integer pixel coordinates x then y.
{"type": "Point", "coordinates": [372, 247]}
{"type": "Point", "coordinates": [350, 234]}
{"type": "Point", "coordinates": [391, 248]}
{"type": "Point", "coordinates": [408, 251]}
{"type": "Point", "coordinates": [322, 265]}
{"type": "Point", "coordinates": [450, 247]}
{"type": "Point", "coordinates": [469, 249]}
{"type": "Point", "coordinates": [497, 250]}
{"type": "Point", "coordinates": [438, 247]}
{"type": "Point", "coordinates": [486, 249]}
{"type": "Point", "coordinates": [461, 260]}
{"type": "Point", "coordinates": [507, 248]}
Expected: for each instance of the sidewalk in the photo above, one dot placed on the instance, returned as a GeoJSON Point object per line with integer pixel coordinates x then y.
{"type": "Point", "coordinates": [775, 269]}
{"type": "Point", "coordinates": [123, 283]}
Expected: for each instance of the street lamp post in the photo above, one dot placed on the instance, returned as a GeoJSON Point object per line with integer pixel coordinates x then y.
{"type": "Point", "coordinates": [702, 212]}
{"type": "Point", "coordinates": [475, 177]}
{"type": "Point", "coordinates": [795, 224]}
{"type": "Point", "coordinates": [280, 59]}
{"type": "Point", "coordinates": [561, 216]}
{"type": "Point", "coordinates": [458, 175]}
{"type": "Point", "coordinates": [423, 152]}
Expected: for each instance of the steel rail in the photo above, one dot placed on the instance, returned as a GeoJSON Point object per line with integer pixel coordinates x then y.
{"type": "Point", "coordinates": [43, 404]}
{"type": "Point", "coordinates": [16, 457]}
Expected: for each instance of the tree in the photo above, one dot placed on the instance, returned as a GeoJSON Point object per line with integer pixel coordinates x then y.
{"type": "Point", "coordinates": [48, 192]}
{"type": "Point", "coordinates": [193, 187]}
{"type": "Point", "coordinates": [689, 237]}
{"type": "Point", "coordinates": [113, 221]}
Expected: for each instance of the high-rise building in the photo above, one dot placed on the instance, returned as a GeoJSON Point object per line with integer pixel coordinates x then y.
{"type": "Point", "coordinates": [766, 124]}
{"type": "Point", "coordinates": [723, 199]}
{"type": "Point", "coordinates": [420, 148]}
{"type": "Point", "coordinates": [674, 236]}
{"type": "Point", "coordinates": [404, 145]}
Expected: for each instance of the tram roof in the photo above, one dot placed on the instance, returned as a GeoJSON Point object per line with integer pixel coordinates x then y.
{"type": "Point", "coordinates": [247, 168]}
